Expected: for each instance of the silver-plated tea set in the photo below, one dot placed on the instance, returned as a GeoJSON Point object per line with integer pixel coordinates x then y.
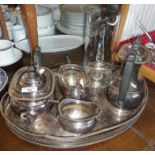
{"type": "Point", "coordinates": [77, 105]}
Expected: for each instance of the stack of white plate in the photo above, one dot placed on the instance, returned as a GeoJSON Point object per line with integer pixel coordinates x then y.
{"type": "Point", "coordinates": [73, 18]}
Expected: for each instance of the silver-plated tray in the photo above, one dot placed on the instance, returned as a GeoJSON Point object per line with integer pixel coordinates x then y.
{"type": "Point", "coordinates": [47, 131]}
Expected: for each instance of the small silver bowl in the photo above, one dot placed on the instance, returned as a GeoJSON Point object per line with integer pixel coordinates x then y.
{"type": "Point", "coordinates": [73, 81]}
{"type": "Point", "coordinates": [78, 116]}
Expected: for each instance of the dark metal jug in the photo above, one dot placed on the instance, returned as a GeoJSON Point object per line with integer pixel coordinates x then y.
{"type": "Point", "coordinates": [126, 90]}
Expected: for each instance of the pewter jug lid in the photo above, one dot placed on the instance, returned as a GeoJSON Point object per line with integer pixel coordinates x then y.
{"type": "Point", "coordinates": [142, 54]}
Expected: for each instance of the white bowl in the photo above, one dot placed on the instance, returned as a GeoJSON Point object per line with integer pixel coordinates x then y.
{"type": "Point", "coordinates": [9, 26]}
{"type": "Point", "coordinates": [18, 17]}
{"type": "Point", "coordinates": [44, 17]}
{"type": "Point", "coordinates": [17, 55]}
{"type": "Point", "coordinates": [55, 9]}
{"type": "Point", "coordinates": [50, 30]}
{"type": "Point", "coordinates": [18, 33]}
{"type": "Point", "coordinates": [6, 51]}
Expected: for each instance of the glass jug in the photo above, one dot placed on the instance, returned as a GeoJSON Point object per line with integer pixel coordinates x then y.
{"type": "Point", "coordinates": [100, 25]}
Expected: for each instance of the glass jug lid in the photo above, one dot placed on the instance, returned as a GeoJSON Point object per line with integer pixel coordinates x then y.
{"type": "Point", "coordinates": [142, 54]}
{"type": "Point", "coordinates": [28, 86]}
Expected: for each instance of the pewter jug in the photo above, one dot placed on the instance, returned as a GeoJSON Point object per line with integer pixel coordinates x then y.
{"type": "Point", "coordinates": [126, 90]}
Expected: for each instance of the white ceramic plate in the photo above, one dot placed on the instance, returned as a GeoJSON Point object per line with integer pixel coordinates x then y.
{"type": "Point", "coordinates": [74, 10]}
{"type": "Point", "coordinates": [53, 44]}
{"type": "Point", "coordinates": [70, 31]}
{"type": "Point", "coordinates": [17, 56]}
{"type": "Point", "coordinates": [77, 10]}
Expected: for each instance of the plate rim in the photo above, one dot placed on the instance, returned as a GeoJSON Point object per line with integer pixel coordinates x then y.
{"type": "Point", "coordinates": [56, 50]}
{"type": "Point", "coordinates": [68, 31]}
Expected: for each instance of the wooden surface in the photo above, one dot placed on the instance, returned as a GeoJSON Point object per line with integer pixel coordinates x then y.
{"type": "Point", "coordinates": [148, 73]}
{"type": "Point", "coordinates": [30, 20]}
{"type": "Point", "coordinates": [140, 137]}
{"type": "Point", "coordinates": [123, 13]}
{"type": "Point", "coordinates": [5, 34]}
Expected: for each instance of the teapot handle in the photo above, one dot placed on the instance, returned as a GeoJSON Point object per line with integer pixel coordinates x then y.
{"type": "Point", "coordinates": [126, 78]}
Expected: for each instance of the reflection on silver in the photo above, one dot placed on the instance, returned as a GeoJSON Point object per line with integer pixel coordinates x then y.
{"type": "Point", "coordinates": [78, 116]}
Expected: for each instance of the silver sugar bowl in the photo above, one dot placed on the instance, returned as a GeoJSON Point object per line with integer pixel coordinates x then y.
{"type": "Point", "coordinates": [73, 81]}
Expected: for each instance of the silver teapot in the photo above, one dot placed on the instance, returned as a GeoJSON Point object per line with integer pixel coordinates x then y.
{"type": "Point", "coordinates": [31, 90]}
{"type": "Point", "coordinates": [127, 88]}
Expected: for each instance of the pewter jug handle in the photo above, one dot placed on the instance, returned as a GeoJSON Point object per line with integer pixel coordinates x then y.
{"type": "Point", "coordinates": [126, 78]}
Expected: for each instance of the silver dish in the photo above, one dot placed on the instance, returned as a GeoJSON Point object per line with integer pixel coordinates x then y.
{"type": "Point", "coordinates": [78, 116]}
{"type": "Point", "coordinates": [73, 81]}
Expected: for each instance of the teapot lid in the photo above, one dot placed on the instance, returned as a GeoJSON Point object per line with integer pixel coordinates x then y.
{"type": "Point", "coordinates": [142, 54]}
{"type": "Point", "coordinates": [32, 87]}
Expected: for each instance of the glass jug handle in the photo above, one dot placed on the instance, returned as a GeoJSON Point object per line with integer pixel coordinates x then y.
{"type": "Point", "coordinates": [113, 23]}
